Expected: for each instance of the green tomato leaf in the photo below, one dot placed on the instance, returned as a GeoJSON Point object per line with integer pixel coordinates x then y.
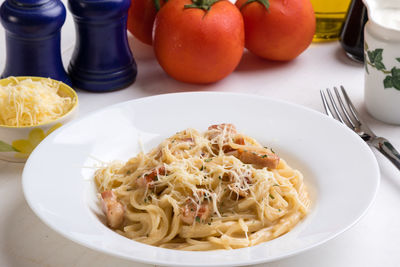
{"type": "Point", "coordinates": [201, 4]}
{"type": "Point", "coordinates": [388, 82]}
{"type": "Point", "coordinates": [265, 3]}
{"type": "Point", "coordinates": [398, 59]}
{"type": "Point", "coordinates": [4, 147]}
{"type": "Point", "coordinates": [157, 4]}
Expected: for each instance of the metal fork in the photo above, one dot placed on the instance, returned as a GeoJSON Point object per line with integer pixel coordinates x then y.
{"type": "Point", "coordinates": [353, 120]}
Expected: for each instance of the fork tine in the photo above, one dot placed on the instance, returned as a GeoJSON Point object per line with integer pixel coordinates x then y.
{"type": "Point", "coordinates": [350, 105]}
{"type": "Point", "coordinates": [326, 106]}
{"type": "Point", "coordinates": [339, 117]}
{"type": "Point", "coordinates": [343, 108]}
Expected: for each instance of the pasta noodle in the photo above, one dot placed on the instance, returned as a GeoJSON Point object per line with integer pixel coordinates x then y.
{"type": "Point", "coordinates": [216, 190]}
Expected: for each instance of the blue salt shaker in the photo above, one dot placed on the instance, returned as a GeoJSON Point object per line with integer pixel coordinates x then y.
{"type": "Point", "coordinates": [102, 60]}
{"type": "Point", "coordinates": [33, 33]}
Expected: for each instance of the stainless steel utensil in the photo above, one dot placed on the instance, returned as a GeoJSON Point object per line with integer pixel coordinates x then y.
{"type": "Point", "coordinates": [353, 120]}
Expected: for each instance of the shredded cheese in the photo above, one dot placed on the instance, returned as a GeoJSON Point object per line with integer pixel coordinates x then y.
{"type": "Point", "coordinates": [205, 197]}
{"type": "Point", "coordinates": [29, 103]}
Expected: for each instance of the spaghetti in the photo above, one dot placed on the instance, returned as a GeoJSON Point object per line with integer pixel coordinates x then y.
{"type": "Point", "coordinates": [203, 191]}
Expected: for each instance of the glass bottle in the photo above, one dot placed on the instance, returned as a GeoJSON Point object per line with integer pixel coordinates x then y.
{"type": "Point", "coordinates": [352, 35]}
{"type": "Point", "coordinates": [330, 15]}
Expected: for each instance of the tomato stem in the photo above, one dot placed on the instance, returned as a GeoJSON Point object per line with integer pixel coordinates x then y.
{"type": "Point", "coordinates": [265, 3]}
{"type": "Point", "coordinates": [157, 5]}
{"type": "Point", "coordinates": [202, 4]}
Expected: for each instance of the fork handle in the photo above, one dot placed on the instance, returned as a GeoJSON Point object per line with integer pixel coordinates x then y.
{"type": "Point", "coordinates": [387, 149]}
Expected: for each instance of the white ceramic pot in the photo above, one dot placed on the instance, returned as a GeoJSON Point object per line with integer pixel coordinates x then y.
{"type": "Point", "coordinates": [382, 60]}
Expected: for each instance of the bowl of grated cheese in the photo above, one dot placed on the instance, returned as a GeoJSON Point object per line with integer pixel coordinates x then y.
{"type": "Point", "coordinates": [30, 109]}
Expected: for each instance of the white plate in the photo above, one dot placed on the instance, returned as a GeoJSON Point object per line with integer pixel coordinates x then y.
{"type": "Point", "coordinates": [339, 168]}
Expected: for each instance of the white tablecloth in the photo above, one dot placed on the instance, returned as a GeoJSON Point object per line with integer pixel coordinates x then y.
{"type": "Point", "coordinates": [374, 241]}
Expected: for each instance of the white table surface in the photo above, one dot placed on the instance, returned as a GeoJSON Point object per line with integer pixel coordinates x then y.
{"type": "Point", "coordinates": [374, 241]}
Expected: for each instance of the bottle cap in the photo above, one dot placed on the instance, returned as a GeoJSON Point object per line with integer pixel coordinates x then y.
{"type": "Point", "coordinates": [32, 18]}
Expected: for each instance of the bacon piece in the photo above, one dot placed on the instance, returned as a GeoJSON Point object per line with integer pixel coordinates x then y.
{"type": "Point", "coordinates": [112, 208]}
{"type": "Point", "coordinates": [260, 157]}
{"type": "Point", "coordinates": [227, 126]}
{"type": "Point", "coordinates": [187, 139]}
{"type": "Point", "coordinates": [147, 179]}
{"type": "Point", "coordinates": [189, 212]}
{"type": "Point", "coordinates": [239, 140]}
{"type": "Point", "coordinates": [218, 129]}
{"type": "Point", "coordinates": [229, 130]}
{"type": "Point", "coordinates": [237, 187]}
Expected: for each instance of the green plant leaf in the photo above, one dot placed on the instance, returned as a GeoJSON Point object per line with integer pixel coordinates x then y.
{"type": "Point", "coordinates": [378, 54]}
{"type": "Point", "coordinates": [366, 67]}
{"type": "Point", "coordinates": [396, 82]}
{"type": "Point", "coordinates": [375, 55]}
{"type": "Point", "coordinates": [371, 56]}
{"type": "Point", "coordinates": [366, 46]}
{"type": "Point", "coordinates": [395, 72]}
{"type": "Point", "coordinates": [387, 82]}
{"type": "Point", "coordinates": [379, 65]}
{"type": "Point", "coordinates": [4, 147]}
{"type": "Point", "coordinates": [398, 59]}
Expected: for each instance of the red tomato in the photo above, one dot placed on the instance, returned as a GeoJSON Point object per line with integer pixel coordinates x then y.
{"type": "Point", "coordinates": [141, 17]}
{"type": "Point", "coordinates": [196, 45]}
{"type": "Point", "coordinates": [281, 32]}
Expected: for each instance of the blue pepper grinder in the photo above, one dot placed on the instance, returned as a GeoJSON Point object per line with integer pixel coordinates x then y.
{"type": "Point", "coordinates": [102, 60]}
{"type": "Point", "coordinates": [33, 32]}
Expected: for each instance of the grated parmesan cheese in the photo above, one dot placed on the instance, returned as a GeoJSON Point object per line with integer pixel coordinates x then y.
{"type": "Point", "coordinates": [29, 103]}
